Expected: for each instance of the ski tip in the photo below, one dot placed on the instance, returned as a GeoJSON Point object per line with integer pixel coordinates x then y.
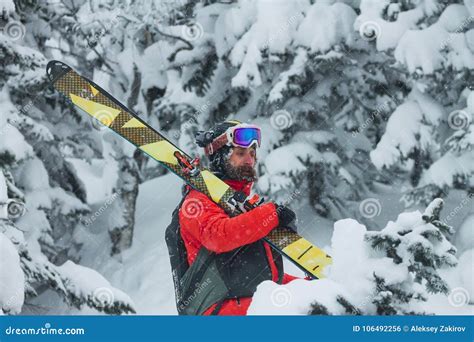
{"type": "Point", "coordinates": [56, 69]}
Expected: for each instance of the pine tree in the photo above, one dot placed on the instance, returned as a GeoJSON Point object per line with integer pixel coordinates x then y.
{"type": "Point", "coordinates": [35, 170]}
{"type": "Point", "coordinates": [417, 245]}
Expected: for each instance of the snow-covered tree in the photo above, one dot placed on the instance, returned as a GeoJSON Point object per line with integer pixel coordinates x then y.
{"type": "Point", "coordinates": [36, 143]}
{"type": "Point", "coordinates": [387, 272]}
{"type": "Point", "coordinates": [322, 79]}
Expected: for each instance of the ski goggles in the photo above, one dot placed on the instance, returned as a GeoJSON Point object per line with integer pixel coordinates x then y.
{"type": "Point", "coordinates": [242, 135]}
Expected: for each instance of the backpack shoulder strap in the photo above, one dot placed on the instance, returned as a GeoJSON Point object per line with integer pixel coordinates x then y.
{"type": "Point", "coordinates": [176, 247]}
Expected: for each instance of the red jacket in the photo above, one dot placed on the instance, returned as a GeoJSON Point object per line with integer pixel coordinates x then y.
{"type": "Point", "coordinates": [204, 223]}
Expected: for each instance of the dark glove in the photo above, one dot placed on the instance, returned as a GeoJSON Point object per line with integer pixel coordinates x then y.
{"type": "Point", "coordinates": [286, 217]}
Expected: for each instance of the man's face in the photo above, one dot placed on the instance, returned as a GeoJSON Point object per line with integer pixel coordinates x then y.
{"type": "Point", "coordinates": [243, 157]}
{"type": "Point", "coordinates": [241, 163]}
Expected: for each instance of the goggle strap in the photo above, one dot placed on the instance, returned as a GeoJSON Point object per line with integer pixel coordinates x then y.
{"type": "Point", "coordinates": [219, 142]}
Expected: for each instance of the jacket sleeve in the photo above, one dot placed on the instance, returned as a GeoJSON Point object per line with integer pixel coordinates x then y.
{"type": "Point", "coordinates": [209, 224]}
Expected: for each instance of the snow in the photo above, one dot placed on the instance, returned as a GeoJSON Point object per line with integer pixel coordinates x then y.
{"type": "Point", "coordinates": [11, 140]}
{"type": "Point", "coordinates": [7, 6]}
{"type": "Point", "coordinates": [355, 283]}
{"type": "Point", "coordinates": [143, 271]}
{"type": "Point", "coordinates": [84, 282]}
{"type": "Point", "coordinates": [293, 298]}
{"type": "Point", "coordinates": [50, 198]}
{"type": "Point", "coordinates": [152, 63]}
{"type": "Point", "coordinates": [33, 175]}
{"type": "Point", "coordinates": [387, 33]}
{"type": "Point", "coordinates": [231, 24]}
{"type": "Point", "coordinates": [428, 56]}
{"type": "Point", "coordinates": [294, 154]}
{"type": "Point", "coordinates": [11, 278]}
{"type": "Point", "coordinates": [347, 248]}
{"type": "Point", "coordinates": [461, 54]}
{"type": "Point", "coordinates": [296, 68]}
{"type": "Point", "coordinates": [425, 56]}
{"type": "Point", "coordinates": [445, 170]}
{"type": "Point", "coordinates": [470, 101]}
{"type": "Point", "coordinates": [325, 26]}
{"type": "Point", "coordinates": [466, 272]}
{"type": "Point", "coordinates": [3, 188]}
{"type": "Point", "coordinates": [465, 233]}
{"type": "Point", "coordinates": [453, 17]}
{"type": "Point", "coordinates": [274, 23]}
{"type": "Point", "coordinates": [410, 125]}
{"type": "Point", "coordinates": [99, 177]}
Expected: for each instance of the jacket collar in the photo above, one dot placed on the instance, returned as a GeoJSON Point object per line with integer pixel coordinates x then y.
{"type": "Point", "coordinates": [244, 186]}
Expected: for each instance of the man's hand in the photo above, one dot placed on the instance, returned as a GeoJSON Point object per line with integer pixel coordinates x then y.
{"type": "Point", "coordinates": [286, 217]}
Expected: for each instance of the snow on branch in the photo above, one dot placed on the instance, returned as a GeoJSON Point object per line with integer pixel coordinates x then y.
{"type": "Point", "coordinates": [385, 272]}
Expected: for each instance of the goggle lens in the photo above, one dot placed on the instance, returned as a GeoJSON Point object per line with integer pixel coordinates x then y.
{"type": "Point", "coordinates": [246, 136]}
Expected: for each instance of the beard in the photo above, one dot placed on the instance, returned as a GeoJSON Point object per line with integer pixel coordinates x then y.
{"type": "Point", "coordinates": [241, 173]}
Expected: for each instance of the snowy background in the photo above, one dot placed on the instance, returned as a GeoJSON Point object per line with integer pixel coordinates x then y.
{"type": "Point", "coordinates": [367, 113]}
